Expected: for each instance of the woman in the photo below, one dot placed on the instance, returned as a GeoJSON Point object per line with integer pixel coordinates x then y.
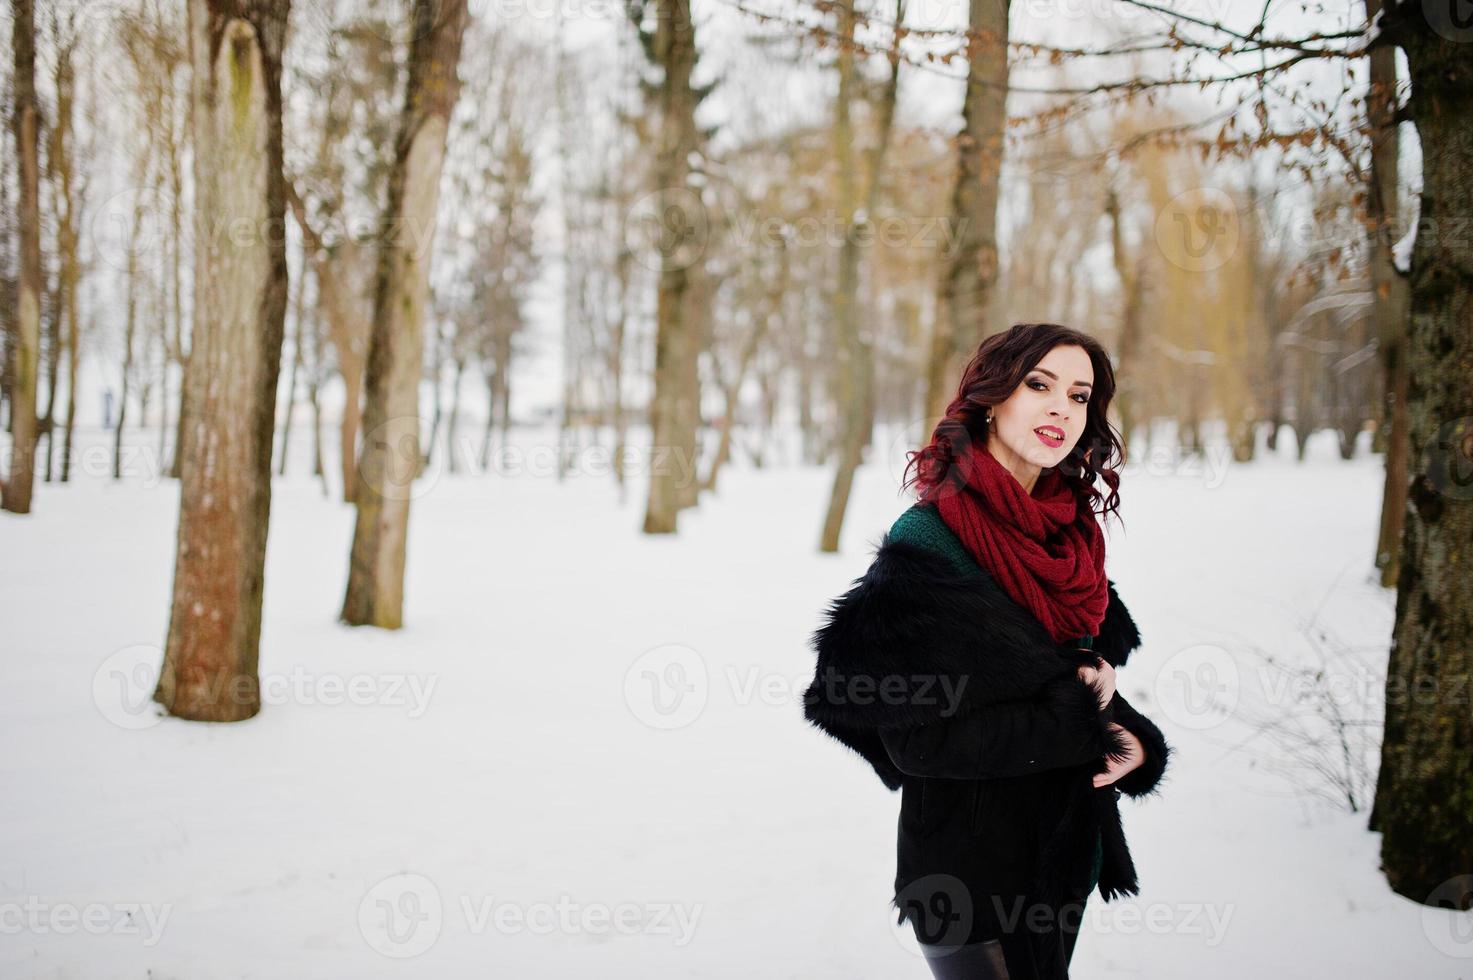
{"type": "Point", "coordinates": [973, 666]}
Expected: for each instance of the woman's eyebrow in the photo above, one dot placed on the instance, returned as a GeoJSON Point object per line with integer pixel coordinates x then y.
{"type": "Point", "coordinates": [1082, 384]}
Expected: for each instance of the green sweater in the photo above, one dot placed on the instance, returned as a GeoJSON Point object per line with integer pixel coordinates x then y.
{"type": "Point", "coordinates": [923, 527]}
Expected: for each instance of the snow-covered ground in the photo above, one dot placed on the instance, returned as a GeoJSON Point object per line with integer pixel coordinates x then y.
{"type": "Point", "coordinates": [584, 755]}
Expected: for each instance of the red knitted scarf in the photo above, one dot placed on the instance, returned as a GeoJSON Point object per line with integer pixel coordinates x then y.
{"type": "Point", "coordinates": [1045, 549]}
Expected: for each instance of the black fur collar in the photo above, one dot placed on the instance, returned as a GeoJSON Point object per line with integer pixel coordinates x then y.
{"type": "Point", "coordinates": [916, 640]}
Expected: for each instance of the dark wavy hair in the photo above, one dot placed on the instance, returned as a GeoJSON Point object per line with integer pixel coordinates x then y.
{"type": "Point", "coordinates": [991, 376]}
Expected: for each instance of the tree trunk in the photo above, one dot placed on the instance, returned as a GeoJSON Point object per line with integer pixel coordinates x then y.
{"type": "Point", "coordinates": [210, 662]}
{"type": "Point", "coordinates": [450, 427]}
{"type": "Point", "coordinates": [129, 324]}
{"type": "Point", "coordinates": [1132, 296]}
{"type": "Point", "coordinates": [391, 455]}
{"type": "Point", "coordinates": [15, 491]}
{"type": "Point", "coordinates": [490, 420]}
{"type": "Point", "coordinates": [761, 326]}
{"type": "Point", "coordinates": [67, 224]}
{"type": "Point", "coordinates": [675, 403]}
{"type": "Point", "coordinates": [1389, 310]}
{"type": "Point", "coordinates": [433, 376]}
{"type": "Point", "coordinates": [56, 316]}
{"type": "Point", "coordinates": [314, 391]}
{"type": "Point", "coordinates": [177, 348]}
{"type": "Point", "coordinates": [690, 431]}
{"type": "Point", "coordinates": [291, 383]}
{"type": "Point", "coordinates": [348, 329]}
{"type": "Point", "coordinates": [856, 357]}
{"type": "Point", "coordinates": [1424, 795]}
{"type": "Point", "coordinates": [965, 298]}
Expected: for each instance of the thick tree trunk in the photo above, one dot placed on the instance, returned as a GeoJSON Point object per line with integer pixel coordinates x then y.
{"type": "Point", "coordinates": [1424, 796]}
{"type": "Point", "coordinates": [964, 300]}
{"type": "Point", "coordinates": [15, 491]}
{"type": "Point", "coordinates": [210, 662]}
{"type": "Point", "coordinates": [391, 454]}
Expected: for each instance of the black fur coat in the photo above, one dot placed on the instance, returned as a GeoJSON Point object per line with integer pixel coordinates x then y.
{"type": "Point", "coordinates": [958, 696]}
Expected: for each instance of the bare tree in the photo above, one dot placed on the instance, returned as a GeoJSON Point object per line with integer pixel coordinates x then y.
{"type": "Point", "coordinates": [1426, 776]}
{"type": "Point", "coordinates": [855, 352]}
{"type": "Point", "coordinates": [15, 491]}
{"type": "Point", "coordinates": [674, 411]}
{"type": "Point", "coordinates": [62, 159]}
{"type": "Point", "coordinates": [965, 297]}
{"type": "Point", "coordinates": [1390, 294]}
{"type": "Point", "coordinates": [390, 457]}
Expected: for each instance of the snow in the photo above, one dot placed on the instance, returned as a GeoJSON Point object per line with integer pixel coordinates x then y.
{"type": "Point", "coordinates": [1401, 252]}
{"type": "Point", "coordinates": [584, 754]}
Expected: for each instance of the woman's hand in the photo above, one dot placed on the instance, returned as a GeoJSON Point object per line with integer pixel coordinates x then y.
{"type": "Point", "coordinates": [1103, 676]}
{"type": "Point", "coordinates": [1133, 759]}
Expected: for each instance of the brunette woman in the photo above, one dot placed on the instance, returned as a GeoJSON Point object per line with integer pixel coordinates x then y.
{"type": "Point", "coordinates": [973, 666]}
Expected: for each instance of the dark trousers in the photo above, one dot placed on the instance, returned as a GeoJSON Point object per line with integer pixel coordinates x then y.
{"type": "Point", "coordinates": [1022, 954]}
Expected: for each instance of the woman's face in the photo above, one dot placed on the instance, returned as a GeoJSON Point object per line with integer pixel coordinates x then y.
{"type": "Point", "coordinates": [1042, 420]}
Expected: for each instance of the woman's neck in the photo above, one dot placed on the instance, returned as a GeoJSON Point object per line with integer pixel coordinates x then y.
{"type": "Point", "coordinates": [1023, 471]}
